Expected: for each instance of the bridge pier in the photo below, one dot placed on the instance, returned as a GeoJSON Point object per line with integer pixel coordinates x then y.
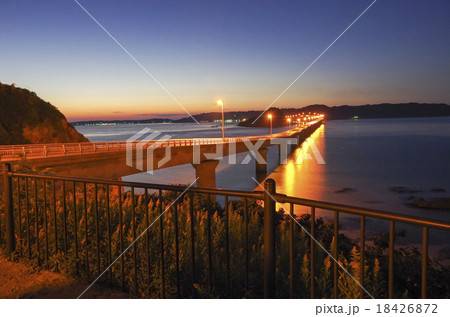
{"type": "Point", "coordinates": [261, 168]}
{"type": "Point", "coordinates": [116, 191]}
{"type": "Point", "coordinates": [294, 146]}
{"type": "Point", "coordinates": [206, 173]}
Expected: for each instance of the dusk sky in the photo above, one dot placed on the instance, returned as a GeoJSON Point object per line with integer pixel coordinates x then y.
{"type": "Point", "coordinates": [245, 52]}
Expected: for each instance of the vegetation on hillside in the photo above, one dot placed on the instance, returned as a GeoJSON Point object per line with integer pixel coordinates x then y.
{"type": "Point", "coordinates": [25, 118]}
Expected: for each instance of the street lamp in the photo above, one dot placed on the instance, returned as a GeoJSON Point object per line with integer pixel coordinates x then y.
{"type": "Point", "coordinates": [220, 103]}
{"type": "Point", "coordinates": [270, 118]}
{"type": "Point", "coordinates": [289, 120]}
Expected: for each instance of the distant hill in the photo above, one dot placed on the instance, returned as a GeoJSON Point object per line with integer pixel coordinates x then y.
{"type": "Point", "coordinates": [401, 110]}
{"type": "Point", "coordinates": [278, 119]}
{"type": "Point", "coordinates": [386, 110]}
{"type": "Point", "coordinates": [100, 122]}
{"type": "Point", "coordinates": [25, 118]}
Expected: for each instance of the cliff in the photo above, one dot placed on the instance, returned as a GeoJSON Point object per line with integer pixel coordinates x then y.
{"type": "Point", "coordinates": [25, 118]}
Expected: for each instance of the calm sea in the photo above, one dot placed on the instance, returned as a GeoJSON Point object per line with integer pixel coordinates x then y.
{"type": "Point", "coordinates": [364, 161]}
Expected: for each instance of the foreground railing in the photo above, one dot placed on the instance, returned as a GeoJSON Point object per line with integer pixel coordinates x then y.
{"type": "Point", "coordinates": [364, 213]}
{"type": "Point", "coordinates": [92, 227]}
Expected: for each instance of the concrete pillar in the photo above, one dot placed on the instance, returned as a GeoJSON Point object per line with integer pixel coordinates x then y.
{"type": "Point", "coordinates": [300, 139]}
{"type": "Point", "coordinates": [294, 146]}
{"type": "Point", "coordinates": [279, 154]}
{"type": "Point", "coordinates": [261, 168]}
{"type": "Point", "coordinates": [206, 173]}
{"type": "Point", "coordinates": [115, 189]}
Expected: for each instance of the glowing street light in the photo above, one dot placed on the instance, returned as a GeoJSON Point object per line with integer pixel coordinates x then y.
{"type": "Point", "coordinates": [289, 120]}
{"type": "Point", "coordinates": [220, 103]}
{"type": "Point", "coordinates": [270, 118]}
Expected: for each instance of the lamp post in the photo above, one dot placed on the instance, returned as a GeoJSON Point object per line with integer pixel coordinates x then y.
{"type": "Point", "coordinates": [289, 120]}
{"type": "Point", "coordinates": [220, 103]}
{"type": "Point", "coordinates": [270, 118]}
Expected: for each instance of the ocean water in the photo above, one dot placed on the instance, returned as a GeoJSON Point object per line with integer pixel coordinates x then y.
{"type": "Point", "coordinates": [364, 161]}
{"type": "Point", "coordinates": [122, 132]}
{"type": "Point", "coordinates": [368, 158]}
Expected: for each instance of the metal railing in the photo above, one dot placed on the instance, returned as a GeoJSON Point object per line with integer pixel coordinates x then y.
{"type": "Point", "coordinates": [16, 152]}
{"type": "Point", "coordinates": [47, 217]}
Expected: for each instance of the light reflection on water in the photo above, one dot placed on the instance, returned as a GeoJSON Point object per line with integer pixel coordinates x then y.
{"type": "Point", "coordinates": [369, 157]}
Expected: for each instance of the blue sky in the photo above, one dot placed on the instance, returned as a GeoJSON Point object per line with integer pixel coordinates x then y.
{"type": "Point", "coordinates": [246, 52]}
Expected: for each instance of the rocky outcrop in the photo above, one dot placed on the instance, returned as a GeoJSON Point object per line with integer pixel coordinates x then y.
{"type": "Point", "coordinates": [25, 118]}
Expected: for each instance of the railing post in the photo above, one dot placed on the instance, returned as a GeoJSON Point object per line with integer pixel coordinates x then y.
{"type": "Point", "coordinates": [9, 208]}
{"type": "Point", "coordinates": [424, 262]}
{"type": "Point", "coordinates": [269, 238]}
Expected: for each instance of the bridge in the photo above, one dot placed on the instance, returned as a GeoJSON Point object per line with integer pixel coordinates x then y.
{"type": "Point", "coordinates": [114, 160]}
